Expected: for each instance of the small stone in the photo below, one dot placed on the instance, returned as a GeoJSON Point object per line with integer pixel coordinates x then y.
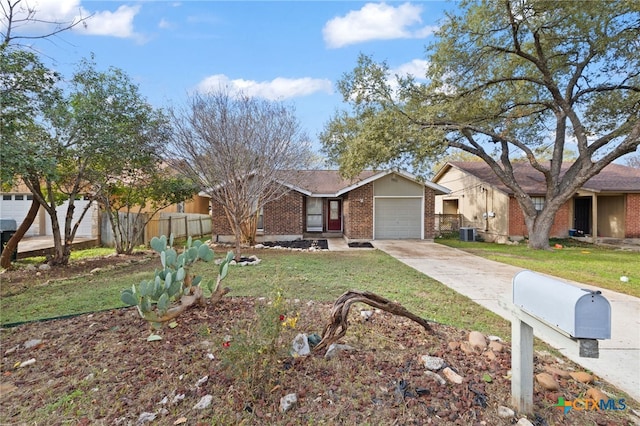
{"type": "Point", "coordinates": [582, 377]}
{"type": "Point", "coordinates": [454, 345]}
{"type": "Point", "coordinates": [287, 402]}
{"type": "Point", "coordinates": [466, 348]}
{"type": "Point", "coordinates": [202, 381]}
{"type": "Point", "coordinates": [495, 346]}
{"type": "Point", "coordinates": [494, 339]}
{"type": "Point", "coordinates": [31, 268]}
{"type": "Point", "coordinates": [438, 378]}
{"type": "Point", "coordinates": [505, 412]}
{"type": "Point", "coordinates": [300, 345]}
{"type": "Point", "coordinates": [524, 422]}
{"type": "Point", "coordinates": [366, 315]}
{"type": "Point", "coordinates": [95, 270]}
{"type": "Point", "coordinates": [31, 343]}
{"type": "Point", "coordinates": [259, 246]}
{"type": "Point", "coordinates": [433, 363]}
{"type": "Point", "coordinates": [178, 398]}
{"type": "Point", "coordinates": [44, 267]}
{"type": "Point", "coordinates": [452, 376]}
{"type": "Point", "coordinates": [490, 355]}
{"type": "Point", "coordinates": [27, 362]}
{"type": "Point", "coordinates": [146, 418]}
{"type": "Point", "coordinates": [596, 394]}
{"type": "Point", "coordinates": [557, 371]}
{"type": "Point", "coordinates": [204, 402]}
{"type": "Point", "coordinates": [547, 381]}
{"type": "Point", "coordinates": [336, 348]}
{"type": "Point", "coordinates": [477, 340]}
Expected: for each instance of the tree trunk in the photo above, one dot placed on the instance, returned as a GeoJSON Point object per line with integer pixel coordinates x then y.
{"type": "Point", "coordinates": [12, 244]}
{"type": "Point", "coordinates": [337, 328]}
{"type": "Point", "coordinates": [539, 229]}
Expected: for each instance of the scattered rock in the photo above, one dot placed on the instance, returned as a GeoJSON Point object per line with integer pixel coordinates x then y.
{"type": "Point", "coordinates": [547, 381]}
{"type": "Point", "coordinates": [557, 371]}
{"type": "Point", "coordinates": [524, 422]}
{"type": "Point", "coordinates": [596, 394]}
{"type": "Point", "coordinates": [178, 398]}
{"type": "Point", "coordinates": [490, 355]}
{"type": "Point", "coordinates": [433, 363]}
{"type": "Point", "coordinates": [582, 377]}
{"type": "Point", "coordinates": [27, 362]}
{"type": "Point", "coordinates": [336, 348]}
{"type": "Point", "coordinates": [287, 402]}
{"type": "Point", "coordinates": [467, 348]}
{"type": "Point", "coordinates": [300, 345]}
{"type": "Point", "coordinates": [31, 268]}
{"type": "Point", "coordinates": [44, 267]}
{"type": "Point", "coordinates": [95, 270]}
{"type": "Point", "coordinates": [204, 402]}
{"type": "Point", "coordinates": [496, 346]}
{"type": "Point", "coordinates": [202, 381]}
{"type": "Point", "coordinates": [31, 343]}
{"type": "Point", "coordinates": [454, 345]}
{"type": "Point", "coordinates": [146, 418]}
{"type": "Point", "coordinates": [438, 378]}
{"type": "Point", "coordinates": [452, 376]}
{"type": "Point", "coordinates": [366, 314]}
{"type": "Point", "coordinates": [477, 340]}
{"type": "Point", "coordinates": [505, 412]}
{"type": "Point", "coordinates": [259, 246]}
{"type": "Point", "coordinates": [494, 339]}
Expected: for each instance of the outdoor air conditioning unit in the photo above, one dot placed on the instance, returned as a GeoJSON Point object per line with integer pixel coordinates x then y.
{"type": "Point", "coordinates": [467, 234]}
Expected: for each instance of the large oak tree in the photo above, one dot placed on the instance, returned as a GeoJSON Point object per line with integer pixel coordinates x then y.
{"type": "Point", "coordinates": [506, 80]}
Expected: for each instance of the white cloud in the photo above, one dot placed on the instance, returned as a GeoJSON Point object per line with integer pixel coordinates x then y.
{"type": "Point", "coordinates": [277, 89]}
{"type": "Point", "coordinates": [375, 21]}
{"type": "Point", "coordinates": [417, 68]}
{"type": "Point", "coordinates": [118, 23]}
{"type": "Point", "coordinates": [165, 25]}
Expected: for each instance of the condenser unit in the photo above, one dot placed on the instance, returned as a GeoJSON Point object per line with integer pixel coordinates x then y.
{"type": "Point", "coordinates": [467, 234]}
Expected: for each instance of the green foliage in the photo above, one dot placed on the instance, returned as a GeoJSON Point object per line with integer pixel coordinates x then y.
{"type": "Point", "coordinates": [154, 298]}
{"type": "Point", "coordinates": [252, 352]}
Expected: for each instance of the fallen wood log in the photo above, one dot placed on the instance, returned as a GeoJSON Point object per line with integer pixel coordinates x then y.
{"type": "Point", "coordinates": [337, 328]}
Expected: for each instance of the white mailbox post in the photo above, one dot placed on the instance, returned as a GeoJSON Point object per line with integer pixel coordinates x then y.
{"type": "Point", "coordinates": [570, 316]}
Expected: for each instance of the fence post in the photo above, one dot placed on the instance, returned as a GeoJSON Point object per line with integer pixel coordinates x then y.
{"type": "Point", "coordinates": [186, 226]}
{"type": "Point", "coordinates": [201, 230]}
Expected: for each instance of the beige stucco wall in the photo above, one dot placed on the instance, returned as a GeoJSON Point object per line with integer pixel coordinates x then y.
{"type": "Point", "coordinates": [396, 186]}
{"type": "Point", "coordinates": [475, 198]}
{"type": "Point", "coordinates": [611, 216]}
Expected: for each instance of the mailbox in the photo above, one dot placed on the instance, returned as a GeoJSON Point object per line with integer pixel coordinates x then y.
{"type": "Point", "coordinates": [581, 313]}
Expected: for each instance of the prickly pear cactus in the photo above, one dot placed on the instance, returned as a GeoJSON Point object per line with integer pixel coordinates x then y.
{"type": "Point", "coordinates": [158, 300]}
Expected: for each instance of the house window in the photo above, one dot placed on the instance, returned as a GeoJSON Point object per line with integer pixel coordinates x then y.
{"type": "Point", "coordinates": [6, 197]}
{"type": "Point", "coordinates": [538, 203]}
{"type": "Point", "coordinates": [314, 214]}
{"type": "Point", "coordinates": [260, 222]}
{"type": "Point", "coordinates": [29, 197]}
{"type": "Point", "coordinates": [19, 197]}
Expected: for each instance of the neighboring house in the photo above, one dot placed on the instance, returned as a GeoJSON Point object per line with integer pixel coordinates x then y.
{"type": "Point", "coordinates": [608, 205]}
{"type": "Point", "coordinates": [375, 205]}
{"type": "Point", "coordinates": [15, 203]}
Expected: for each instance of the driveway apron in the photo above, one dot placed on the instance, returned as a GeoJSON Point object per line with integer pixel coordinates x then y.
{"type": "Point", "coordinates": [486, 282]}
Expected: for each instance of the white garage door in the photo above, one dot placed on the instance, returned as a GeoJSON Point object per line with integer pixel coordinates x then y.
{"type": "Point", "coordinates": [398, 218]}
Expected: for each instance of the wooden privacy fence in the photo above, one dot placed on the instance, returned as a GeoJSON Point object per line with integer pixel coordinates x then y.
{"type": "Point", "coordinates": [180, 224]}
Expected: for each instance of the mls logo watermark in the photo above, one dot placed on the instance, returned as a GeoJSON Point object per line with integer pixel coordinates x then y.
{"type": "Point", "coordinates": [588, 404]}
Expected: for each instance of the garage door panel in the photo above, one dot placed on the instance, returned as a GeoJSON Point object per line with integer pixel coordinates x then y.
{"type": "Point", "coordinates": [398, 218]}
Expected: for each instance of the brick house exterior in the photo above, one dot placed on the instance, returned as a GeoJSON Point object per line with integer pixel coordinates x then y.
{"type": "Point", "coordinates": [607, 206]}
{"type": "Point", "coordinates": [324, 204]}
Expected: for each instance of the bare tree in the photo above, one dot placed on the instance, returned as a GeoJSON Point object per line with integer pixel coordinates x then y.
{"type": "Point", "coordinates": [239, 149]}
{"type": "Point", "coordinates": [17, 14]}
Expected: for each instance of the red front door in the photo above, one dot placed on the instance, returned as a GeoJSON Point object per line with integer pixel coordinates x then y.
{"type": "Point", "coordinates": [335, 216]}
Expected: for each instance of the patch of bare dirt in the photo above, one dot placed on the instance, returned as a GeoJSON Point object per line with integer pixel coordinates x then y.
{"type": "Point", "coordinates": [99, 369]}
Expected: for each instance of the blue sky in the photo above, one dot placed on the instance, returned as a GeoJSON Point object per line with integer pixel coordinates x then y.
{"type": "Point", "coordinates": [291, 51]}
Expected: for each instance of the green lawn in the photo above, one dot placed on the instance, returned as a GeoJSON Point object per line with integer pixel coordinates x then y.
{"type": "Point", "coordinates": [576, 261]}
{"type": "Point", "coordinates": [319, 276]}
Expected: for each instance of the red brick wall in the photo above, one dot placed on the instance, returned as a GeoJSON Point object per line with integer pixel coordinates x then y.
{"type": "Point", "coordinates": [358, 216]}
{"type": "Point", "coordinates": [429, 213]}
{"type": "Point", "coordinates": [285, 215]}
{"type": "Point", "coordinates": [561, 223]}
{"type": "Point", "coordinates": [632, 216]}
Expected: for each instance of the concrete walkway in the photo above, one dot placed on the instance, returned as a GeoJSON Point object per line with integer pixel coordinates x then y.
{"type": "Point", "coordinates": [486, 281]}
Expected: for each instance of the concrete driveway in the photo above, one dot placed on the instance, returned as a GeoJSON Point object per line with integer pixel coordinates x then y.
{"type": "Point", "coordinates": [486, 281]}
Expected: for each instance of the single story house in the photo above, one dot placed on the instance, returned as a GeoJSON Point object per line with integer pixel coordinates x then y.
{"type": "Point", "coordinates": [607, 206]}
{"type": "Point", "coordinates": [375, 205]}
